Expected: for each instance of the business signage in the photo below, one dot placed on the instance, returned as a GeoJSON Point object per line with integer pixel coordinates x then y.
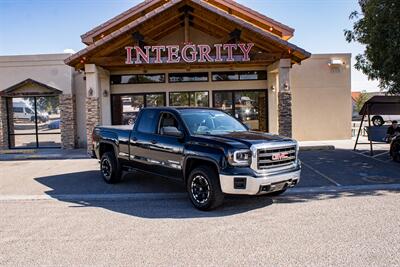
{"type": "Point", "coordinates": [189, 53]}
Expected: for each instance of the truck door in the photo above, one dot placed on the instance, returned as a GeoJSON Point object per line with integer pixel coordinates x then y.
{"type": "Point", "coordinates": [168, 151]}
{"type": "Point", "coordinates": [142, 141]}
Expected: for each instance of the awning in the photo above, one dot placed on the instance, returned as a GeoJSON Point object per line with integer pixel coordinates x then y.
{"type": "Point", "coordinates": [382, 105]}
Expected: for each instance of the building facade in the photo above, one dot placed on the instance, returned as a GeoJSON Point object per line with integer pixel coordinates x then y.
{"type": "Point", "coordinates": [196, 53]}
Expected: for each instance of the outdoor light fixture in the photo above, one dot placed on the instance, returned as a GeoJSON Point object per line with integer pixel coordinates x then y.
{"type": "Point", "coordinates": [336, 62]}
{"type": "Point", "coordinates": [286, 86]}
{"type": "Point", "coordinates": [105, 93]}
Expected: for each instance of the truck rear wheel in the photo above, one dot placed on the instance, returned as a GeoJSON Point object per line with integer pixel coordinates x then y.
{"type": "Point", "coordinates": [204, 188]}
{"type": "Point", "coordinates": [110, 168]}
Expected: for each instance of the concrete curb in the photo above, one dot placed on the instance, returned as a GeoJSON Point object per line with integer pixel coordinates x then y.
{"type": "Point", "coordinates": [317, 147]}
{"type": "Point", "coordinates": [41, 158]}
{"type": "Point", "coordinates": [162, 196]}
{"type": "Point", "coordinates": [44, 156]}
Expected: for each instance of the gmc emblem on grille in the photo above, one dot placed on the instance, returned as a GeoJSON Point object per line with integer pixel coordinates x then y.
{"type": "Point", "coordinates": [280, 156]}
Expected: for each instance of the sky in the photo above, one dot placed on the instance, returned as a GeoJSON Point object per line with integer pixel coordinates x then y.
{"type": "Point", "coordinates": [52, 26]}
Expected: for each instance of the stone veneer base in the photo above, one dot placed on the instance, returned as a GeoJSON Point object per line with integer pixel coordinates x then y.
{"type": "Point", "coordinates": [68, 121]}
{"type": "Point", "coordinates": [285, 113]}
{"type": "Point", "coordinates": [92, 119]}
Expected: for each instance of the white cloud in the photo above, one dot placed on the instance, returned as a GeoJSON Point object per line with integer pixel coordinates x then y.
{"type": "Point", "coordinates": [69, 51]}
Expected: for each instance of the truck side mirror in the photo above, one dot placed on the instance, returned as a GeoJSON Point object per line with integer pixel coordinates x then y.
{"type": "Point", "coordinates": [171, 131]}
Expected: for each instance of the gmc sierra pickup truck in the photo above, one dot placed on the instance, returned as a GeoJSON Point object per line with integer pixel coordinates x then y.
{"type": "Point", "coordinates": [211, 152]}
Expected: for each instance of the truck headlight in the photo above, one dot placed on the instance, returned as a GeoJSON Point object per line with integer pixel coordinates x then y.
{"type": "Point", "coordinates": [240, 158]}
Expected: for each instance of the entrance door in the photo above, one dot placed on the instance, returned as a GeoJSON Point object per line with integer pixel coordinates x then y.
{"type": "Point", "coordinates": [248, 106]}
{"type": "Point", "coordinates": [34, 122]}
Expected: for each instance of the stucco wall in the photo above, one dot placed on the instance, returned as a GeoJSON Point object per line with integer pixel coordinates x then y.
{"type": "Point", "coordinates": [47, 68]}
{"type": "Point", "coordinates": [79, 86]}
{"type": "Point", "coordinates": [50, 70]}
{"type": "Point", "coordinates": [322, 98]}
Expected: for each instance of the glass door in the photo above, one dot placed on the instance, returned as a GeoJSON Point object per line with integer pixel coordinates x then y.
{"type": "Point", "coordinates": [248, 106]}
{"type": "Point", "coordinates": [34, 122]}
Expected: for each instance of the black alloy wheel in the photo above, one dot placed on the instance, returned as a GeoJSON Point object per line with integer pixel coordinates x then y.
{"type": "Point", "coordinates": [110, 168]}
{"type": "Point", "coordinates": [204, 188]}
{"type": "Point", "coordinates": [200, 189]}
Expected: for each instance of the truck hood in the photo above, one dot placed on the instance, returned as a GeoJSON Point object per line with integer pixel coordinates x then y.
{"type": "Point", "coordinates": [248, 138]}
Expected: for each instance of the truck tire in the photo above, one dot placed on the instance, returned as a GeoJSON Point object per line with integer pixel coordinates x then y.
{"type": "Point", "coordinates": [204, 188]}
{"type": "Point", "coordinates": [110, 168]}
{"type": "Point", "coordinates": [377, 121]}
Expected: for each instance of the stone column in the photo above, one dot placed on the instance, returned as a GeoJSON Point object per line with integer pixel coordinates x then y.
{"type": "Point", "coordinates": [284, 99]}
{"type": "Point", "coordinates": [92, 102]}
{"type": "Point", "coordinates": [68, 121]}
{"type": "Point", "coordinates": [3, 124]}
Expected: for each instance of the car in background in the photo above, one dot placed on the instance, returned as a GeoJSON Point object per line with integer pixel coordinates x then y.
{"type": "Point", "coordinates": [54, 124]}
{"type": "Point", "coordinates": [129, 118]}
{"type": "Point", "coordinates": [22, 111]}
{"type": "Point", "coordinates": [379, 120]}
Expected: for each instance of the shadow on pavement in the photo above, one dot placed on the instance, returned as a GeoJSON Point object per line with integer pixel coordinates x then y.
{"type": "Point", "coordinates": [83, 184]}
{"type": "Point", "coordinates": [175, 206]}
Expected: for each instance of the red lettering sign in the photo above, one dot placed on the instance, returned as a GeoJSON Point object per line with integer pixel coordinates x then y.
{"type": "Point", "coordinates": [189, 53]}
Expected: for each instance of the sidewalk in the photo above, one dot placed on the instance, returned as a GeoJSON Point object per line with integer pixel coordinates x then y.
{"type": "Point", "coordinates": [340, 144]}
{"type": "Point", "coordinates": [33, 154]}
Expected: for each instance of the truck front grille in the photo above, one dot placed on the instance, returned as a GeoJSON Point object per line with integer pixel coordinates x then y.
{"type": "Point", "coordinates": [268, 158]}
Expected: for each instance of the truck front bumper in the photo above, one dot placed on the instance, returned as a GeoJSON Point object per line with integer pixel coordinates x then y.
{"type": "Point", "coordinates": [255, 184]}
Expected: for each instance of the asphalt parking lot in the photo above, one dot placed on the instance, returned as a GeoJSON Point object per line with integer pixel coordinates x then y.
{"type": "Point", "coordinates": [328, 168]}
{"type": "Point", "coordinates": [348, 168]}
{"type": "Point", "coordinates": [61, 213]}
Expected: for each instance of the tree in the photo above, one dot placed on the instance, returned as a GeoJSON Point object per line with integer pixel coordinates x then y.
{"type": "Point", "coordinates": [378, 28]}
{"type": "Point", "coordinates": [360, 100]}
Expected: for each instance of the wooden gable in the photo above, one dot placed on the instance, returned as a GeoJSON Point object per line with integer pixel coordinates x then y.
{"type": "Point", "coordinates": [188, 18]}
{"type": "Point", "coordinates": [30, 87]}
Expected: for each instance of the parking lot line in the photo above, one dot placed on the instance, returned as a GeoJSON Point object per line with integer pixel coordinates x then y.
{"type": "Point", "coordinates": [321, 174]}
{"type": "Point", "coordinates": [368, 156]}
{"type": "Point", "coordinates": [380, 154]}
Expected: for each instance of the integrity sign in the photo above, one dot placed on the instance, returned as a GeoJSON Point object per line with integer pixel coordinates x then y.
{"type": "Point", "coordinates": [189, 53]}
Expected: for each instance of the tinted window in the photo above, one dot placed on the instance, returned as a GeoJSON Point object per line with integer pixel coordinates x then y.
{"type": "Point", "coordinates": [188, 99]}
{"type": "Point", "coordinates": [168, 120]}
{"type": "Point", "coordinates": [147, 121]}
{"type": "Point", "coordinates": [239, 75]}
{"type": "Point", "coordinates": [28, 110]}
{"type": "Point", "coordinates": [188, 77]}
{"type": "Point", "coordinates": [18, 110]}
{"type": "Point", "coordinates": [210, 122]}
{"type": "Point", "coordinates": [137, 78]}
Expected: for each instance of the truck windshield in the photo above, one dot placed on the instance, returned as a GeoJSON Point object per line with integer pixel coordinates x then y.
{"type": "Point", "coordinates": [210, 122]}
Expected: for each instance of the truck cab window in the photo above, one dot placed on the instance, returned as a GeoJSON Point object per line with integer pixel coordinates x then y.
{"type": "Point", "coordinates": [167, 120]}
{"type": "Point", "coordinates": [147, 123]}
